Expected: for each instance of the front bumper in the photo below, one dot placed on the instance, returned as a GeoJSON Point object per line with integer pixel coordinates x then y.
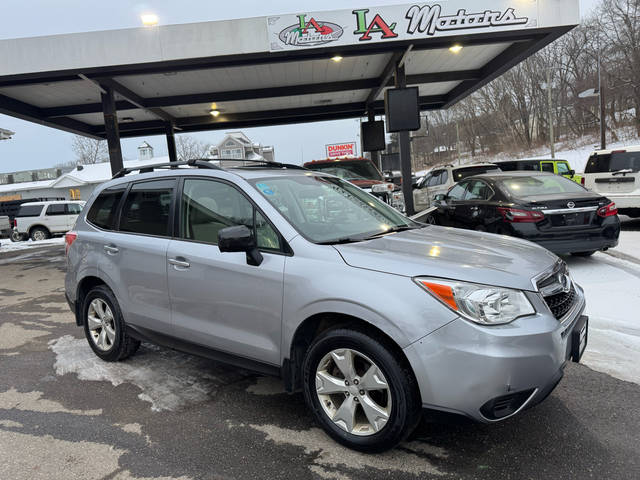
{"type": "Point", "coordinates": [463, 367]}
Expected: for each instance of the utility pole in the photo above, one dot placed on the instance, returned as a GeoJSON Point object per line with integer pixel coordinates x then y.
{"type": "Point", "coordinates": [603, 113]}
{"type": "Point", "coordinates": [458, 142]}
{"type": "Point", "coordinates": [552, 139]}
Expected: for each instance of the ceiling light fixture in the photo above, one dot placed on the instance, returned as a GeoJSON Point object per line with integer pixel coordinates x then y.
{"type": "Point", "coordinates": [149, 19]}
{"type": "Point", "coordinates": [337, 58]}
{"type": "Point", "coordinates": [215, 113]}
{"type": "Point", "coordinates": [457, 48]}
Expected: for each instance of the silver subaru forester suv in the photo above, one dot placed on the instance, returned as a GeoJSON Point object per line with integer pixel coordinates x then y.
{"type": "Point", "coordinates": [299, 274]}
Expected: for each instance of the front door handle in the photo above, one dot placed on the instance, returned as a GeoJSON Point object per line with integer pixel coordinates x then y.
{"type": "Point", "coordinates": [111, 250]}
{"type": "Point", "coordinates": [179, 263]}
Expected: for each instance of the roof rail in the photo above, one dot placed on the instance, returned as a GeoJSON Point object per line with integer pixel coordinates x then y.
{"type": "Point", "coordinates": [257, 163]}
{"type": "Point", "coordinates": [166, 165]}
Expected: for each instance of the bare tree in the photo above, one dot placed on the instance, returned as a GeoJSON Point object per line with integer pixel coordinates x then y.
{"type": "Point", "coordinates": [189, 148]}
{"type": "Point", "coordinates": [89, 150]}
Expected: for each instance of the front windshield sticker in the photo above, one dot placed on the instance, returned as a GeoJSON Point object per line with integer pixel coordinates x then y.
{"type": "Point", "coordinates": [264, 188]}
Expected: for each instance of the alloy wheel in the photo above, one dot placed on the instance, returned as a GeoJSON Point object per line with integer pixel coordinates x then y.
{"type": "Point", "coordinates": [101, 324]}
{"type": "Point", "coordinates": [39, 235]}
{"type": "Point", "coordinates": [353, 392]}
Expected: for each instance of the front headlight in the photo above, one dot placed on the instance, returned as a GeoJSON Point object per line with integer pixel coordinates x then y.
{"type": "Point", "coordinates": [481, 304]}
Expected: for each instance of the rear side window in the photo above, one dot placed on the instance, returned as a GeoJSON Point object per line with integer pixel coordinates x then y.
{"type": "Point", "coordinates": [147, 207]}
{"type": "Point", "coordinates": [548, 167]}
{"type": "Point", "coordinates": [30, 211]}
{"type": "Point", "coordinates": [73, 209]}
{"type": "Point", "coordinates": [103, 212]}
{"type": "Point", "coordinates": [55, 209]}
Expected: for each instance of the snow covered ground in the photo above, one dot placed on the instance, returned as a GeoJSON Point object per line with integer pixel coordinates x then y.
{"type": "Point", "coordinates": [612, 288]}
{"type": "Point", "coordinates": [7, 245]}
{"type": "Point", "coordinates": [629, 244]}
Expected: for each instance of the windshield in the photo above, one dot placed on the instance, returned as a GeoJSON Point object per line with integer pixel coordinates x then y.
{"type": "Point", "coordinates": [330, 210]}
{"type": "Point", "coordinates": [538, 186]}
{"type": "Point", "coordinates": [356, 170]}
{"type": "Point", "coordinates": [614, 162]}
{"type": "Point", "coordinates": [462, 173]}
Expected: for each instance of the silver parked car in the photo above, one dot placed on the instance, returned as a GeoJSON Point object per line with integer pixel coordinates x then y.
{"type": "Point", "coordinates": [302, 275]}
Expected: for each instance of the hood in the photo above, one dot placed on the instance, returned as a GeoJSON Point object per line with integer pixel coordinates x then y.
{"type": "Point", "coordinates": [365, 183]}
{"type": "Point", "coordinates": [454, 254]}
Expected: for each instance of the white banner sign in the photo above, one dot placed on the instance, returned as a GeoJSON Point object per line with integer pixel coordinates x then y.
{"type": "Point", "coordinates": [399, 22]}
{"type": "Point", "coordinates": [341, 150]}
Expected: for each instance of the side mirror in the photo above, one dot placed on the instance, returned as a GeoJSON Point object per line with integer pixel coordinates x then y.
{"type": "Point", "coordinates": [572, 173]}
{"type": "Point", "coordinates": [440, 197]}
{"type": "Point", "coordinates": [240, 239]}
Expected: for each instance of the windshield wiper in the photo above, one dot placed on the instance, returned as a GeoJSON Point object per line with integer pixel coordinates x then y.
{"type": "Point", "coordinates": [344, 240]}
{"type": "Point", "coordinates": [402, 228]}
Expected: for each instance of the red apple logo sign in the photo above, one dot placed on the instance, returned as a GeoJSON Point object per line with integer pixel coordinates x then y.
{"type": "Point", "coordinates": [310, 33]}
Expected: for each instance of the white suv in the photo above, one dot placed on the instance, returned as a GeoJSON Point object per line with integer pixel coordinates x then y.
{"type": "Point", "coordinates": [440, 179]}
{"type": "Point", "coordinates": [616, 174]}
{"type": "Point", "coordinates": [41, 220]}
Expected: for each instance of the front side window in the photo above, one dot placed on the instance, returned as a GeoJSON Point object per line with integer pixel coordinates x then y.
{"type": "Point", "coordinates": [328, 210]}
{"type": "Point", "coordinates": [103, 212]}
{"type": "Point", "coordinates": [55, 209]}
{"type": "Point", "coordinates": [478, 190]}
{"type": "Point", "coordinates": [563, 168]}
{"type": "Point", "coordinates": [208, 206]}
{"type": "Point", "coordinates": [457, 192]}
{"type": "Point", "coordinates": [147, 208]}
{"type": "Point", "coordinates": [73, 209]}
{"type": "Point", "coordinates": [435, 179]}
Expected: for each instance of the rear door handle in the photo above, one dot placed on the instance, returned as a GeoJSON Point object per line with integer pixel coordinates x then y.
{"type": "Point", "coordinates": [179, 263]}
{"type": "Point", "coordinates": [111, 250]}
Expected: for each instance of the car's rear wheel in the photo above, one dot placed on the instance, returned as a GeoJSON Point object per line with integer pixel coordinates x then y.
{"type": "Point", "coordinates": [104, 326]}
{"type": "Point", "coordinates": [17, 236]}
{"type": "Point", "coordinates": [359, 390]}
{"type": "Point", "coordinates": [39, 233]}
{"type": "Point", "coordinates": [583, 254]}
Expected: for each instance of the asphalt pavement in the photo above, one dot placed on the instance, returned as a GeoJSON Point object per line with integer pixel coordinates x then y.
{"type": "Point", "coordinates": [162, 414]}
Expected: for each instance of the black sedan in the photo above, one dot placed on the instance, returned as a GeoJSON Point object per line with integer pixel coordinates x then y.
{"type": "Point", "coordinates": [541, 207]}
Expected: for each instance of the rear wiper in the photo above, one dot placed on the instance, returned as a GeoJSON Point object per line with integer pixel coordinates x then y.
{"type": "Point", "coordinates": [623, 172]}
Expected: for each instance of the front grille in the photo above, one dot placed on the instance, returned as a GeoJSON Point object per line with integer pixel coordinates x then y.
{"type": "Point", "coordinates": [561, 303]}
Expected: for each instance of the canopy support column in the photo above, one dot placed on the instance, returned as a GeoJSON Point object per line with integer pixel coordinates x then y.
{"type": "Point", "coordinates": [376, 158]}
{"type": "Point", "coordinates": [404, 143]}
{"type": "Point", "coordinates": [171, 143]}
{"type": "Point", "coordinates": [111, 129]}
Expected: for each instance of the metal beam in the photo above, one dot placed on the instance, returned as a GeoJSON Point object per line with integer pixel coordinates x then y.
{"type": "Point", "coordinates": [24, 111]}
{"type": "Point", "coordinates": [387, 73]}
{"type": "Point", "coordinates": [135, 99]}
{"type": "Point", "coordinates": [171, 143]}
{"type": "Point", "coordinates": [249, 119]}
{"type": "Point", "coordinates": [111, 129]}
{"type": "Point", "coordinates": [260, 93]}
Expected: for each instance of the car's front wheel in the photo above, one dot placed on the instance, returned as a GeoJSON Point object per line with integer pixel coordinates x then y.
{"type": "Point", "coordinates": [359, 390]}
{"type": "Point", "coordinates": [104, 326]}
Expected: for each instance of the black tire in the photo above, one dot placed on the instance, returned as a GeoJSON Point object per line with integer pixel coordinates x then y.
{"type": "Point", "coordinates": [480, 228]}
{"type": "Point", "coordinates": [406, 408]}
{"type": "Point", "coordinates": [17, 236]}
{"type": "Point", "coordinates": [123, 345]}
{"type": "Point", "coordinates": [583, 254]}
{"type": "Point", "coordinates": [39, 233]}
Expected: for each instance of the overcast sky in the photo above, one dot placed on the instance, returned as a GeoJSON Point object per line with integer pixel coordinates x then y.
{"type": "Point", "coordinates": [35, 146]}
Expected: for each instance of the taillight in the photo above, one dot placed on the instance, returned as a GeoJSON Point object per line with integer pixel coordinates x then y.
{"type": "Point", "coordinates": [14, 223]}
{"type": "Point", "coordinates": [513, 215]}
{"type": "Point", "coordinates": [583, 181]}
{"type": "Point", "coordinates": [608, 211]}
{"type": "Point", "coordinates": [69, 238]}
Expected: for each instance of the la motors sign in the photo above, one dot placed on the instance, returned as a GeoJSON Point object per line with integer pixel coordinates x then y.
{"type": "Point", "coordinates": [403, 22]}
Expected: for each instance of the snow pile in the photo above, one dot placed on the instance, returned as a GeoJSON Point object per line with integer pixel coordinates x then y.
{"type": "Point", "coordinates": [168, 380]}
{"type": "Point", "coordinates": [7, 245]}
{"type": "Point", "coordinates": [612, 289]}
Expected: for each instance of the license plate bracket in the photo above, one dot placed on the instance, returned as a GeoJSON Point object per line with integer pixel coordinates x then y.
{"type": "Point", "coordinates": [579, 338]}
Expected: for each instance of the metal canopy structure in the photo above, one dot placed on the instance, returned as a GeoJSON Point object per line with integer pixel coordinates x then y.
{"type": "Point", "coordinates": [275, 70]}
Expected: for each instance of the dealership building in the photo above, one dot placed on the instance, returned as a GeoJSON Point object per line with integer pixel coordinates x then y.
{"type": "Point", "coordinates": [390, 61]}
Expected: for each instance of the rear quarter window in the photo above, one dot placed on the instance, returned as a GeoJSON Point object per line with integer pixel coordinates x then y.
{"type": "Point", "coordinates": [103, 212]}
{"type": "Point", "coordinates": [30, 211]}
